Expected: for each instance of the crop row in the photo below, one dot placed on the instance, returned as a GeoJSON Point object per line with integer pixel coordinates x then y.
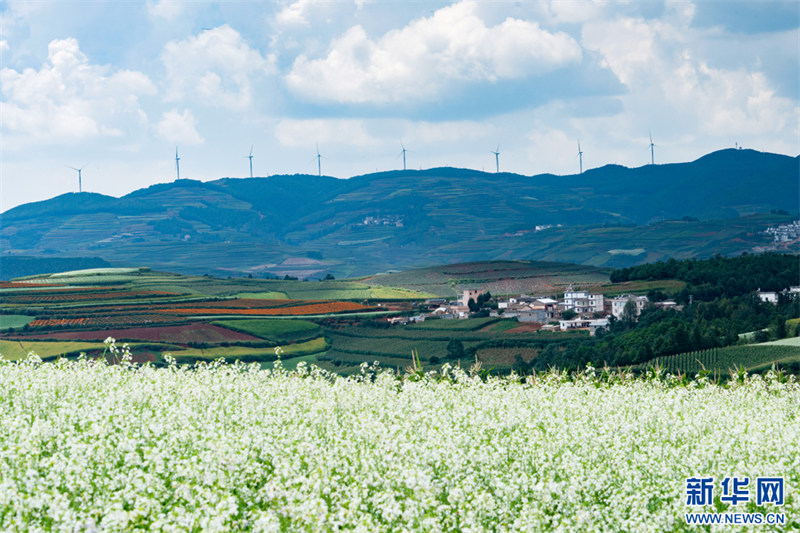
{"type": "Point", "coordinates": [47, 322]}
{"type": "Point", "coordinates": [311, 309]}
{"type": "Point", "coordinates": [118, 320]}
{"type": "Point", "coordinates": [60, 296]}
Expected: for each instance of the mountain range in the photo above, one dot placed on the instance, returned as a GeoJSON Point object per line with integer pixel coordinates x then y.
{"type": "Point", "coordinates": [310, 225]}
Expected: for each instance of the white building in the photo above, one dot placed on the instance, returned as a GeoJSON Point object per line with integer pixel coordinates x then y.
{"type": "Point", "coordinates": [768, 296]}
{"type": "Point", "coordinates": [618, 304]}
{"type": "Point", "coordinates": [583, 323]}
{"type": "Point", "coordinates": [583, 302]}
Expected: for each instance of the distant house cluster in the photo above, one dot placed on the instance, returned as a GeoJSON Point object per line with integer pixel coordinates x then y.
{"type": "Point", "coordinates": [771, 297]}
{"type": "Point", "coordinates": [388, 220]}
{"type": "Point", "coordinates": [785, 232]}
{"type": "Point", "coordinates": [577, 309]}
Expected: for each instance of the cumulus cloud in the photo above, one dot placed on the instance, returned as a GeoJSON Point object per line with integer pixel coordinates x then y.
{"type": "Point", "coordinates": [216, 67]}
{"type": "Point", "coordinates": [69, 98]}
{"type": "Point", "coordinates": [418, 62]}
{"type": "Point", "coordinates": [659, 63]}
{"type": "Point", "coordinates": [179, 127]}
{"type": "Point", "coordinates": [295, 13]}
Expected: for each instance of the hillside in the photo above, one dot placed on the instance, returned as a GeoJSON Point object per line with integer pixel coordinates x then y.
{"type": "Point", "coordinates": [307, 225]}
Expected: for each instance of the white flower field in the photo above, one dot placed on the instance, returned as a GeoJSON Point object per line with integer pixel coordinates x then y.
{"type": "Point", "coordinates": [86, 446]}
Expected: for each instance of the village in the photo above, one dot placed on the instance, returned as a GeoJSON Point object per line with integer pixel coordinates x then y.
{"type": "Point", "coordinates": [577, 310]}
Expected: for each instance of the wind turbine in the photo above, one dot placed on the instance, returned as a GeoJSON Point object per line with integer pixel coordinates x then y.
{"type": "Point", "coordinates": [403, 153]}
{"type": "Point", "coordinates": [177, 164]}
{"type": "Point", "coordinates": [580, 156]}
{"type": "Point", "coordinates": [497, 158]}
{"type": "Point", "coordinates": [652, 156]}
{"type": "Point", "coordinates": [250, 157]}
{"type": "Point", "coordinates": [319, 162]}
{"type": "Point", "coordinates": [80, 185]}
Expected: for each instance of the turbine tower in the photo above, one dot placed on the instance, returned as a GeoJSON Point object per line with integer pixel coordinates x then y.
{"type": "Point", "coordinates": [250, 157]}
{"type": "Point", "coordinates": [80, 185]}
{"type": "Point", "coordinates": [580, 157]}
{"type": "Point", "coordinates": [403, 153]}
{"type": "Point", "coordinates": [177, 164]}
{"type": "Point", "coordinates": [319, 162]}
{"type": "Point", "coordinates": [497, 158]}
{"type": "Point", "coordinates": [652, 156]}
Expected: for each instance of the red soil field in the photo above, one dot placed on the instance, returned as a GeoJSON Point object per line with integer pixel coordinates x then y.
{"type": "Point", "coordinates": [525, 328]}
{"type": "Point", "coordinates": [21, 285]}
{"type": "Point", "coordinates": [172, 334]}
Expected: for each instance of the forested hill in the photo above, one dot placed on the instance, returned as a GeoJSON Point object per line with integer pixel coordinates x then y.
{"type": "Point", "coordinates": [402, 219]}
{"type": "Point", "coordinates": [721, 276]}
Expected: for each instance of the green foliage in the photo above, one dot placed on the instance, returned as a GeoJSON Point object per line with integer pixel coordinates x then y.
{"type": "Point", "coordinates": [720, 276]}
{"type": "Point", "coordinates": [455, 349]}
{"type": "Point", "coordinates": [20, 266]}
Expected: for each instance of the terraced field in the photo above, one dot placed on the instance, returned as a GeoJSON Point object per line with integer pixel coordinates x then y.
{"type": "Point", "coordinates": [489, 340]}
{"type": "Point", "coordinates": [784, 353]}
{"type": "Point", "coordinates": [157, 313]}
{"type": "Point", "coordinates": [498, 277]}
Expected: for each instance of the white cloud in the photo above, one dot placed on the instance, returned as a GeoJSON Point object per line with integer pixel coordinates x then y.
{"type": "Point", "coordinates": [217, 67]}
{"type": "Point", "coordinates": [166, 9]}
{"type": "Point", "coordinates": [421, 60]}
{"type": "Point", "coordinates": [669, 81]}
{"type": "Point", "coordinates": [179, 127]}
{"type": "Point", "coordinates": [69, 98]}
{"type": "Point", "coordinates": [4, 46]}
{"type": "Point", "coordinates": [295, 13]}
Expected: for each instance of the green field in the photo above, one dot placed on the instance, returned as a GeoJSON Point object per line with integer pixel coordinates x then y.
{"type": "Point", "coordinates": [471, 324]}
{"type": "Point", "coordinates": [753, 357]}
{"type": "Point", "coordinates": [277, 330]}
{"type": "Point", "coordinates": [231, 353]}
{"type": "Point", "coordinates": [15, 350]}
{"type": "Point", "coordinates": [270, 295]}
{"type": "Point", "coordinates": [484, 337]}
{"type": "Point", "coordinates": [14, 321]}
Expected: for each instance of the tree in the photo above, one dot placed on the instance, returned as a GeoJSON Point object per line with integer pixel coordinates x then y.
{"type": "Point", "coordinates": [328, 276]}
{"type": "Point", "coordinates": [455, 349]}
{"type": "Point", "coordinates": [473, 306]}
{"type": "Point", "coordinates": [568, 314]}
{"type": "Point", "coordinates": [780, 327]}
{"type": "Point", "coordinates": [629, 313]}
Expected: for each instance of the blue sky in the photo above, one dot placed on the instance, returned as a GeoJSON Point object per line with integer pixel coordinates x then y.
{"type": "Point", "coordinates": [116, 86]}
